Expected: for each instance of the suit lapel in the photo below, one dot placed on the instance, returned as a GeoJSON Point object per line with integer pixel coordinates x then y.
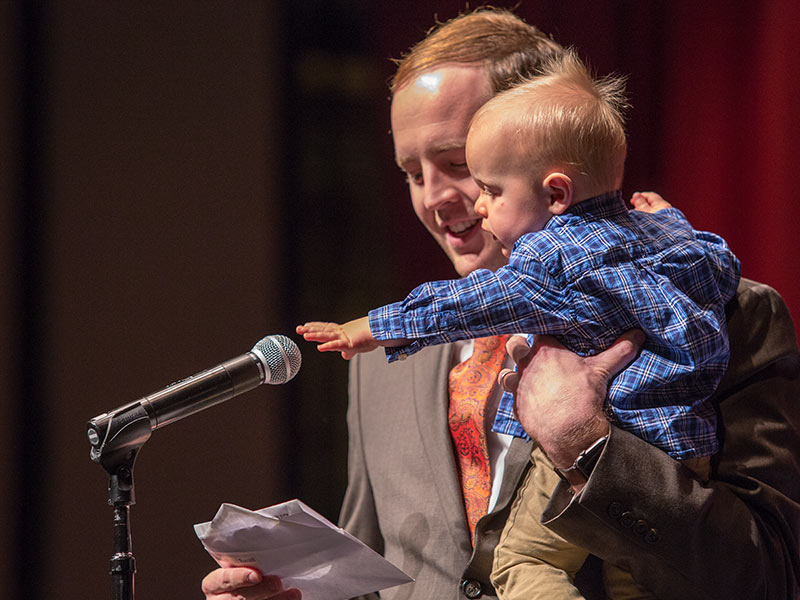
{"type": "Point", "coordinates": [430, 375]}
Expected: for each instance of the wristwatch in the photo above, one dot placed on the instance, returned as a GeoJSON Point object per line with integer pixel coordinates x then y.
{"type": "Point", "coordinates": [580, 470]}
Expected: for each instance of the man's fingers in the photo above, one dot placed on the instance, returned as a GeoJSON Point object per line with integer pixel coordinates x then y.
{"type": "Point", "coordinates": [246, 583]}
{"type": "Point", "coordinates": [617, 356]}
{"type": "Point", "coordinates": [517, 348]}
{"type": "Point", "coordinates": [226, 580]}
{"type": "Point", "coordinates": [508, 380]}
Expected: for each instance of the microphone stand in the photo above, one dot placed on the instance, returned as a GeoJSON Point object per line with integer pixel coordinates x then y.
{"type": "Point", "coordinates": [126, 432]}
{"type": "Point", "coordinates": [117, 436]}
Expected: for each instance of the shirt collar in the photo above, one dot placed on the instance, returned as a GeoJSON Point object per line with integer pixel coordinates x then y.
{"type": "Point", "coordinates": [599, 207]}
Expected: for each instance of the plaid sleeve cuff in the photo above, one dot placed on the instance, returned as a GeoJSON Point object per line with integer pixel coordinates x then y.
{"type": "Point", "coordinates": [386, 323]}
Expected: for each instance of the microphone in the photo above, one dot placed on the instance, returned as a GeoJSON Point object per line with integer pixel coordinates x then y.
{"type": "Point", "coordinates": [274, 360]}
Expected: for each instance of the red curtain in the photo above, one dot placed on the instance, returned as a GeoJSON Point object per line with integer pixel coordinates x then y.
{"type": "Point", "coordinates": [732, 119]}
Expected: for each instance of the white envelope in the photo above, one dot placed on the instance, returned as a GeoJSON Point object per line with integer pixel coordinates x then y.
{"type": "Point", "coordinates": [302, 547]}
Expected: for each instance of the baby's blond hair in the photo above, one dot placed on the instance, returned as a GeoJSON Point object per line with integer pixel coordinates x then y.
{"type": "Point", "coordinates": [565, 119]}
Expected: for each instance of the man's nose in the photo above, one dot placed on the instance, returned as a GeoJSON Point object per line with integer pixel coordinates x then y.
{"type": "Point", "coordinates": [440, 189]}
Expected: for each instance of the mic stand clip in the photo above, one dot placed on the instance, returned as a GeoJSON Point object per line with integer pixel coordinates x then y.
{"type": "Point", "coordinates": [116, 439]}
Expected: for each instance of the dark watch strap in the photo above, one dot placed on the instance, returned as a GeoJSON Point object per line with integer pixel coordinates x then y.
{"type": "Point", "coordinates": [580, 470]}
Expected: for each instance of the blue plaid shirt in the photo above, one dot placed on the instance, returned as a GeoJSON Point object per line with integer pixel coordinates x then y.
{"type": "Point", "coordinates": [590, 275]}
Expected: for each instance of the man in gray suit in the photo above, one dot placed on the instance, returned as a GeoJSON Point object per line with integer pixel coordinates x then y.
{"type": "Point", "coordinates": [735, 537]}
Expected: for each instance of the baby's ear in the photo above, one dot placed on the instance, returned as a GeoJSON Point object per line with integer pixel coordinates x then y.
{"type": "Point", "coordinates": [560, 190]}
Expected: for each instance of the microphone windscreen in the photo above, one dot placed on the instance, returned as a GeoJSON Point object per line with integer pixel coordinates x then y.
{"type": "Point", "coordinates": [280, 357]}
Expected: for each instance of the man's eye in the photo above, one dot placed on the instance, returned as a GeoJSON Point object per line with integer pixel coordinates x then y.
{"type": "Point", "coordinates": [415, 178]}
{"type": "Point", "coordinates": [460, 165]}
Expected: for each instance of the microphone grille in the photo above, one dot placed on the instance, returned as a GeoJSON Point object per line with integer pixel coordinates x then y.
{"type": "Point", "coordinates": [280, 356]}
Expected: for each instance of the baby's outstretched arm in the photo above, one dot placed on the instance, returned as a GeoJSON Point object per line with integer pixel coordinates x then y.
{"type": "Point", "coordinates": [649, 202]}
{"type": "Point", "coordinates": [351, 338]}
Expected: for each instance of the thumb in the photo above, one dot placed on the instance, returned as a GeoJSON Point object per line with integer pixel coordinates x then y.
{"type": "Point", "coordinates": [518, 349]}
{"type": "Point", "coordinates": [617, 356]}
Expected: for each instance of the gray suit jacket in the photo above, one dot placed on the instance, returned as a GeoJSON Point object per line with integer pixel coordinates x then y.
{"type": "Point", "coordinates": [736, 537]}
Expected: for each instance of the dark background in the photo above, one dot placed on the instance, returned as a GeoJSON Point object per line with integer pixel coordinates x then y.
{"type": "Point", "coordinates": [180, 179]}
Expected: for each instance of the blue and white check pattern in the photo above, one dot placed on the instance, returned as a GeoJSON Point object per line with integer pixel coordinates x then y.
{"type": "Point", "coordinates": [590, 275]}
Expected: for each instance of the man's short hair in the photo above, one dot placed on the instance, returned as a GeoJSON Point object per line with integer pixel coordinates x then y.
{"type": "Point", "coordinates": [565, 118]}
{"type": "Point", "coordinates": [509, 48]}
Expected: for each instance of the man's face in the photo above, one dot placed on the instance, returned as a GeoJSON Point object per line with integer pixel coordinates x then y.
{"type": "Point", "coordinates": [430, 119]}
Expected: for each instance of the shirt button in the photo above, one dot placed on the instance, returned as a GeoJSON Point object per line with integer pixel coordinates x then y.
{"type": "Point", "coordinates": [640, 527]}
{"type": "Point", "coordinates": [471, 588]}
{"type": "Point", "coordinates": [615, 510]}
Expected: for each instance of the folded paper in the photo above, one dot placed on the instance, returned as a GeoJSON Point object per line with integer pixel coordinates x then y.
{"type": "Point", "coordinates": [300, 546]}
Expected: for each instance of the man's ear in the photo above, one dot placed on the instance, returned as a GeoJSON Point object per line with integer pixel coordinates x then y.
{"type": "Point", "coordinates": [560, 189]}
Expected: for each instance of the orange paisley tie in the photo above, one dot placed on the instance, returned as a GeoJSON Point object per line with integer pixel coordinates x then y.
{"type": "Point", "coordinates": [471, 383]}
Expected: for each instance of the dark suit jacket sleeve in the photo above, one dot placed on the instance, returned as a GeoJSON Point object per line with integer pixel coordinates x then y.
{"type": "Point", "coordinates": [358, 515]}
{"type": "Point", "coordinates": [737, 535]}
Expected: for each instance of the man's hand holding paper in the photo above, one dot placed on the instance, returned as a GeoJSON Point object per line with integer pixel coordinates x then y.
{"type": "Point", "coordinates": [304, 549]}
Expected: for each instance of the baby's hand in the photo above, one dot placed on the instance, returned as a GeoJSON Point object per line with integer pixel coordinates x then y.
{"type": "Point", "coordinates": [649, 202]}
{"type": "Point", "coordinates": [317, 331]}
{"type": "Point", "coordinates": [350, 339]}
